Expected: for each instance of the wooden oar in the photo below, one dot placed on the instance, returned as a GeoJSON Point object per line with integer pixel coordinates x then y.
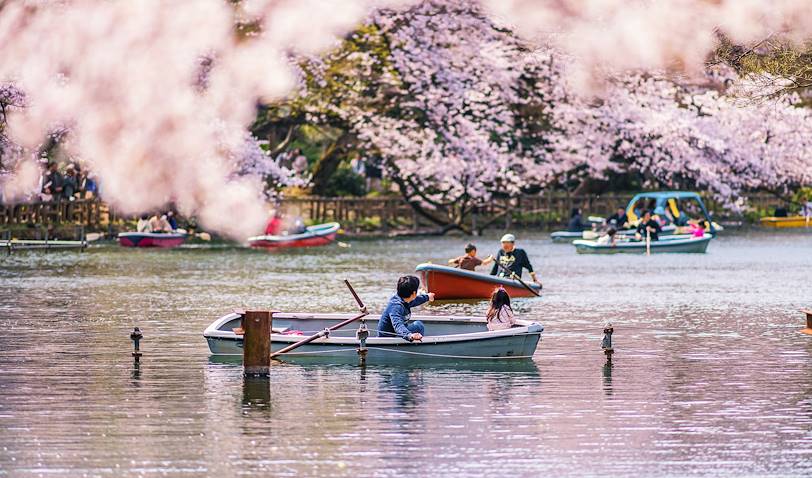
{"type": "Point", "coordinates": [513, 275]}
{"type": "Point", "coordinates": [648, 242]}
{"type": "Point", "coordinates": [327, 331]}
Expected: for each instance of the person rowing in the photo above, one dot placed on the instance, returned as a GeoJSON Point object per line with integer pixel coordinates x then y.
{"type": "Point", "coordinates": [513, 259]}
{"type": "Point", "coordinates": [648, 226]}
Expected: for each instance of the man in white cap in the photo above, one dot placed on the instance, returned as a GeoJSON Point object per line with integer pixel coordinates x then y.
{"type": "Point", "coordinates": [513, 259]}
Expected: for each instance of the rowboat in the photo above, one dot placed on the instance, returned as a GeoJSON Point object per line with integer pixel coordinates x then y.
{"type": "Point", "coordinates": [787, 222]}
{"type": "Point", "coordinates": [151, 239]}
{"type": "Point", "coordinates": [675, 243]}
{"type": "Point", "coordinates": [453, 283]}
{"type": "Point", "coordinates": [561, 237]}
{"type": "Point", "coordinates": [319, 235]}
{"type": "Point", "coordinates": [449, 338]}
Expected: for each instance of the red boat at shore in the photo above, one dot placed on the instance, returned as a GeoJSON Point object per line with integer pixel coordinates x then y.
{"type": "Point", "coordinates": [319, 235]}
{"type": "Point", "coordinates": [151, 239]}
{"type": "Point", "coordinates": [453, 283]}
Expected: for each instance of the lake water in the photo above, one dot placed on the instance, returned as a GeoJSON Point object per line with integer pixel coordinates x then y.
{"type": "Point", "coordinates": [710, 375]}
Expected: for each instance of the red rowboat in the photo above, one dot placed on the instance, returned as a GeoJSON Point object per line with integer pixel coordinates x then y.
{"type": "Point", "coordinates": [319, 235]}
{"type": "Point", "coordinates": [452, 283]}
{"type": "Point", "coordinates": [151, 239]}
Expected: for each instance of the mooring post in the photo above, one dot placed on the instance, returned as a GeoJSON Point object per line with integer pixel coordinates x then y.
{"type": "Point", "coordinates": [606, 343]}
{"type": "Point", "coordinates": [256, 351]}
{"type": "Point", "coordinates": [808, 329]}
{"type": "Point", "coordinates": [136, 337]}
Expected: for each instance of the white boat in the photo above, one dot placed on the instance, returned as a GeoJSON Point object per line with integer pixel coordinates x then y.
{"type": "Point", "coordinates": [447, 338]}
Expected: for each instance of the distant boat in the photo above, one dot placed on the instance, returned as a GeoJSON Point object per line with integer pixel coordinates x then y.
{"type": "Point", "coordinates": [319, 235]}
{"type": "Point", "coordinates": [447, 338]}
{"type": "Point", "coordinates": [787, 222]}
{"type": "Point", "coordinates": [452, 283]}
{"type": "Point", "coordinates": [151, 239]}
{"type": "Point", "coordinates": [677, 243]}
{"type": "Point", "coordinates": [659, 200]}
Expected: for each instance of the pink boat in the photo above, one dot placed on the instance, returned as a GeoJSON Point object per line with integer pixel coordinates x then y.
{"type": "Point", "coordinates": [151, 239]}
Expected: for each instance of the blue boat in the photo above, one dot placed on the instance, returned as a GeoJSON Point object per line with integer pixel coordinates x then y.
{"type": "Point", "coordinates": [677, 243]}
{"type": "Point", "coordinates": [672, 202]}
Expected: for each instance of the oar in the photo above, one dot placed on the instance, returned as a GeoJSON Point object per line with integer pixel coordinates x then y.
{"type": "Point", "coordinates": [327, 331]}
{"type": "Point", "coordinates": [648, 242]}
{"type": "Point", "coordinates": [513, 275]}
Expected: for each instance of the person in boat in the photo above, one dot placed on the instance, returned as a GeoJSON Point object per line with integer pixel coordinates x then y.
{"type": "Point", "coordinates": [618, 220]}
{"type": "Point", "coordinates": [274, 226]}
{"type": "Point", "coordinates": [159, 224]}
{"type": "Point", "coordinates": [470, 261]}
{"type": "Point", "coordinates": [610, 238]}
{"type": "Point", "coordinates": [648, 226]}
{"type": "Point", "coordinates": [697, 228]}
{"type": "Point", "coordinates": [575, 224]}
{"type": "Point", "coordinates": [395, 319]}
{"type": "Point", "coordinates": [171, 220]}
{"type": "Point", "coordinates": [500, 314]}
{"type": "Point", "coordinates": [144, 224]}
{"type": "Point", "coordinates": [512, 258]}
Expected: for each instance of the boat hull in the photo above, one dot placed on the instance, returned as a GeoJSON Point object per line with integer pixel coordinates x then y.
{"type": "Point", "coordinates": [475, 343]}
{"type": "Point", "coordinates": [151, 239]}
{"type": "Point", "coordinates": [320, 235]}
{"type": "Point", "coordinates": [448, 283]}
{"type": "Point", "coordinates": [786, 222]}
{"type": "Point", "coordinates": [675, 244]}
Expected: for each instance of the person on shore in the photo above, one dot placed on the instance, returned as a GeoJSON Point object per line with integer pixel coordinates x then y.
{"type": "Point", "coordinates": [610, 238]}
{"type": "Point", "coordinates": [70, 183]}
{"type": "Point", "coordinates": [395, 319]}
{"type": "Point", "coordinates": [513, 259]}
{"type": "Point", "coordinates": [648, 226]}
{"type": "Point", "coordinates": [575, 224]}
{"type": "Point", "coordinates": [500, 314]}
{"type": "Point", "coordinates": [470, 261]}
{"type": "Point", "coordinates": [52, 183]}
{"type": "Point", "coordinates": [618, 220]}
{"type": "Point", "coordinates": [144, 224]}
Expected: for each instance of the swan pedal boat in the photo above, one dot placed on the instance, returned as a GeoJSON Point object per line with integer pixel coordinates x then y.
{"type": "Point", "coordinates": [676, 243]}
{"type": "Point", "coordinates": [319, 235]}
{"type": "Point", "coordinates": [450, 338]}
{"type": "Point", "coordinates": [448, 283]}
{"type": "Point", "coordinates": [151, 239]}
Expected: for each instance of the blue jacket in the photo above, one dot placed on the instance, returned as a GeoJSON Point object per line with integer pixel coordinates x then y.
{"type": "Point", "coordinates": [397, 314]}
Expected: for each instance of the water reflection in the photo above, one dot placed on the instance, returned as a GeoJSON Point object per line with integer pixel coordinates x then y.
{"type": "Point", "coordinates": [709, 376]}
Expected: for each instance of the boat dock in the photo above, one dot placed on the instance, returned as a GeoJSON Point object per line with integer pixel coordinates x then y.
{"type": "Point", "coordinates": [11, 245]}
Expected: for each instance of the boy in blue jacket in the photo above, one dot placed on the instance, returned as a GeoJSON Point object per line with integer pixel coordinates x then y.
{"type": "Point", "coordinates": [396, 316]}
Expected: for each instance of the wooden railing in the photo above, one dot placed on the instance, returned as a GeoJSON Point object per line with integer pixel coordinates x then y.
{"type": "Point", "coordinates": [87, 212]}
{"type": "Point", "coordinates": [547, 209]}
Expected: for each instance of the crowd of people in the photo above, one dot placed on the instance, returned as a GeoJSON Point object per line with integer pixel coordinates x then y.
{"type": "Point", "coordinates": [70, 184]}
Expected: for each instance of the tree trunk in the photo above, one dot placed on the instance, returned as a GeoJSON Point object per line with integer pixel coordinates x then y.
{"type": "Point", "coordinates": [327, 165]}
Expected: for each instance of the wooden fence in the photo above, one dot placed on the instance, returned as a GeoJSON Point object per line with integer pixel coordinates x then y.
{"type": "Point", "coordinates": [548, 209]}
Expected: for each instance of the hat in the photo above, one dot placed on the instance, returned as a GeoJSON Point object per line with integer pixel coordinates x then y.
{"type": "Point", "coordinates": [508, 238]}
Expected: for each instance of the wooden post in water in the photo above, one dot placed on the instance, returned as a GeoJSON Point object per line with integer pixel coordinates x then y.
{"type": "Point", "coordinates": [256, 352]}
{"type": "Point", "coordinates": [808, 329]}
